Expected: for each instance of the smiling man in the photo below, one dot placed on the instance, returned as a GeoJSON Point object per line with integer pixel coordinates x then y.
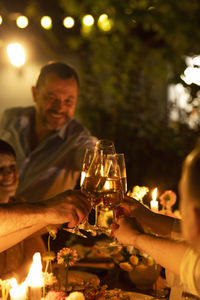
{"type": "Point", "coordinates": [48, 140]}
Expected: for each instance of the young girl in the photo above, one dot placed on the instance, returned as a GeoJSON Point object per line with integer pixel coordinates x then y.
{"type": "Point", "coordinates": [15, 261]}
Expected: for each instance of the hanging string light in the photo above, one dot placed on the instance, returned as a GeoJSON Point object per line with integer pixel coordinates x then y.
{"type": "Point", "coordinates": [46, 22]}
{"type": "Point", "coordinates": [16, 54]}
{"type": "Point", "coordinates": [22, 22]}
{"type": "Point", "coordinates": [88, 20]}
{"type": "Point", "coordinates": [104, 22]}
{"type": "Point", "coordinates": [68, 22]}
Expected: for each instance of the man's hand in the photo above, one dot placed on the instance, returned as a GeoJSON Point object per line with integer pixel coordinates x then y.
{"type": "Point", "coordinates": [70, 207]}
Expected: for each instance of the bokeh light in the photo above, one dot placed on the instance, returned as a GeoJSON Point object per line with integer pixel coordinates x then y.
{"type": "Point", "coordinates": [16, 54]}
{"type": "Point", "coordinates": [88, 20]}
{"type": "Point", "coordinates": [22, 22]}
{"type": "Point", "coordinates": [68, 22]}
{"type": "Point", "coordinates": [104, 22]}
{"type": "Point", "coordinates": [1, 20]}
{"type": "Point", "coordinates": [46, 22]}
{"type": "Point", "coordinates": [192, 72]}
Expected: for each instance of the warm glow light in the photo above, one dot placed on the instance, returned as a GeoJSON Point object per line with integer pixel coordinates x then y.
{"type": "Point", "coordinates": [192, 72]}
{"type": "Point", "coordinates": [88, 20]}
{"type": "Point", "coordinates": [16, 54]}
{"type": "Point", "coordinates": [107, 185]}
{"type": "Point", "coordinates": [104, 23]}
{"type": "Point", "coordinates": [154, 202]}
{"type": "Point", "coordinates": [46, 22]}
{"type": "Point", "coordinates": [17, 292]}
{"type": "Point", "coordinates": [154, 194]}
{"type": "Point", "coordinates": [22, 22]}
{"type": "Point", "coordinates": [83, 175]}
{"type": "Point", "coordinates": [13, 283]}
{"type": "Point", "coordinates": [35, 278]}
{"type": "Point", "coordinates": [68, 22]}
{"type": "Point", "coordinates": [1, 20]}
{"type": "Point", "coordinates": [191, 75]}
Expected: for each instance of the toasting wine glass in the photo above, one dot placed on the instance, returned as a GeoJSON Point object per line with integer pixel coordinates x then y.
{"type": "Point", "coordinates": [88, 157]}
{"type": "Point", "coordinates": [113, 192]}
{"type": "Point", "coordinates": [94, 178]}
{"type": "Point", "coordinates": [114, 189]}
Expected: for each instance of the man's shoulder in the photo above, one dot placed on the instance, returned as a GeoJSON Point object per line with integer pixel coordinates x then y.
{"type": "Point", "coordinates": [14, 115]}
{"type": "Point", "coordinates": [18, 110]}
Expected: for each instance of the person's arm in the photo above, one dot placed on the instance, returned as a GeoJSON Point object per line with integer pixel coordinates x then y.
{"type": "Point", "coordinates": [167, 253]}
{"type": "Point", "coordinates": [156, 223]}
{"type": "Point", "coordinates": [19, 220]}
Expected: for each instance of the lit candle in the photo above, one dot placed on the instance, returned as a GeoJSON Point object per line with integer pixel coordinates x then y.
{"type": "Point", "coordinates": [17, 292]}
{"type": "Point", "coordinates": [34, 279]}
{"type": "Point", "coordinates": [154, 202]}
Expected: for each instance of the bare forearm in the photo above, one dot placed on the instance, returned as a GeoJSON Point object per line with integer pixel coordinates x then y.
{"type": "Point", "coordinates": [167, 253]}
{"type": "Point", "coordinates": [10, 239]}
{"type": "Point", "coordinates": [19, 216]}
{"type": "Point", "coordinates": [157, 223]}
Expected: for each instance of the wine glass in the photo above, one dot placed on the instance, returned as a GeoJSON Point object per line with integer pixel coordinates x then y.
{"type": "Point", "coordinates": [93, 179]}
{"type": "Point", "coordinates": [88, 157]}
{"type": "Point", "coordinates": [108, 208]}
{"type": "Point", "coordinates": [113, 190]}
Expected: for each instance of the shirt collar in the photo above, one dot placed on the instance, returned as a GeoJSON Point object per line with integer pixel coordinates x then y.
{"type": "Point", "coordinates": [29, 115]}
{"type": "Point", "coordinates": [62, 132]}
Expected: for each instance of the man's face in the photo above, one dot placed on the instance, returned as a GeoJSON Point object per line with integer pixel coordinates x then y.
{"type": "Point", "coordinates": [8, 176]}
{"type": "Point", "coordinates": [55, 101]}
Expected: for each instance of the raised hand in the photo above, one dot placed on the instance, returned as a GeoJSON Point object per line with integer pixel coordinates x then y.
{"type": "Point", "coordinates": [70, 207]}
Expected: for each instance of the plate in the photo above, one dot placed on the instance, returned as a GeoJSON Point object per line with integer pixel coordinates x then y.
{"type": "Point", "coordinates": [119, 294]}
{"type": "Point", "coordinates": [76, 279]}
{"type": "Point", "coordinates": [138, 296]}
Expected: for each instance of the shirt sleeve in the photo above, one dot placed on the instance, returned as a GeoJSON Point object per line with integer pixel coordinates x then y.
{"type": "Point", "coordinates": [190, 271]}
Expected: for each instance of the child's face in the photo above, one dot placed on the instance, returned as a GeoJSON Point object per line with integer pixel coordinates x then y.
{"type": "Point", "coordinates": [8, 176]}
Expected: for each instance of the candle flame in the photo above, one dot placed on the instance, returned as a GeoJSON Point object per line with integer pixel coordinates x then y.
{"type": "Point", "coordinates": [17, 291]}
{"type": "Point", "coordinates": [35, 278]}
{"type": "Point", "coordinates": [13, 283]}
{"type": "Point", "coordinates": [154, 194]}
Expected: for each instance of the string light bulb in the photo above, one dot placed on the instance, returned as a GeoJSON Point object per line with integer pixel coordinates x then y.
{"type": "Point", "coordinates": [88, 20]}
{"type": "Point", "coordinates": [16, 54]}
{"type": "Point", "coordinates": [68, 22]}
{"type": "Point", "coordinates": [104, 22]}
{"type": "Point", "coordinates": [22, 22]}
{"type": "Point", "coordinates": [46, 22]}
